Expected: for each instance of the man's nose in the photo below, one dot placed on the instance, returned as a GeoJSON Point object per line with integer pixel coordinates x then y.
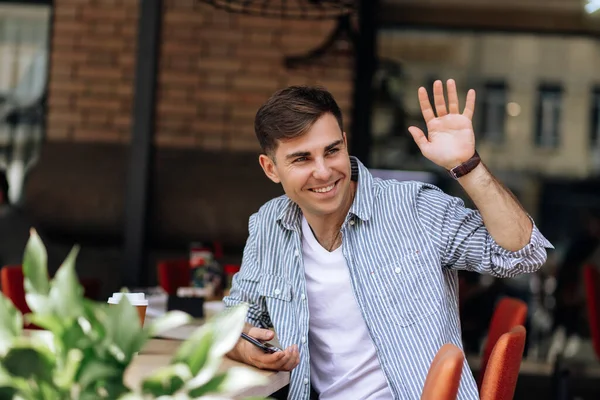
{"type": "Point", "coordinates": [322, 170]}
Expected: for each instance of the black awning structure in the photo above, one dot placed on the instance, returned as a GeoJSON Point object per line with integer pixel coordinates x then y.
{"type": "Point", "coordinates": [287, 9]}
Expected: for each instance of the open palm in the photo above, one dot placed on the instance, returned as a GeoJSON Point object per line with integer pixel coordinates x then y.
{"type": "Point", "coordinates": [450, 140]}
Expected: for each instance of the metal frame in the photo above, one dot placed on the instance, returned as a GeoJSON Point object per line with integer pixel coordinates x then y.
{"type": "Point", "coordinates": [364, 67]}
{"type": "Point", "coordinates": [141, 161]}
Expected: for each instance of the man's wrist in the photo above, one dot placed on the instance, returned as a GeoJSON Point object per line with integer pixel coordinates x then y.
{"type": "Point", "coordinates": [464, 168]}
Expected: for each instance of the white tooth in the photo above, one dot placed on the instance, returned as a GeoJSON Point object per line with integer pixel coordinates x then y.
{"type": "Point", "coordinates": [324, 190]}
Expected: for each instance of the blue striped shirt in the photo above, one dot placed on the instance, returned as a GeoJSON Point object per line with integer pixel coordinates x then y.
{"type": "Point", "coordinates": [403, 243]}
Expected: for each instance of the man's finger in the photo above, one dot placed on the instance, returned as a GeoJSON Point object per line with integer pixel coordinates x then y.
{"type": "Point", "coordinates": [425, 104]}
{"type": "Point", "coordinates": [261, 334]}
{"type": "Point", "coordinates": [419, 137]}
{"type": "Point", "coordinates": [438, 99]}
{"type": "Point", "coordinates": [452, 97]}
{"type": "Point", "coordinates": [470, 105]}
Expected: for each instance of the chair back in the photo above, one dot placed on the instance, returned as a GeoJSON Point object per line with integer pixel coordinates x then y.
{"type": "Point", "coordinates": [500, 379]}
{"type": "Point", "coordinates": [591, 277]}
{"type": "Point", "coordinates": [13, 286]}
{"type": "Point", "coordinates": [508, 314]}
{"type": "Point", "coordinates": [173, 274]}
{"type": "Point", "coordinates": [443, 378]}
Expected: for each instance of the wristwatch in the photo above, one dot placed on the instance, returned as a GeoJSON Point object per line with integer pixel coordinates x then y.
{"type": "Point", "coordinates": [466, 167]}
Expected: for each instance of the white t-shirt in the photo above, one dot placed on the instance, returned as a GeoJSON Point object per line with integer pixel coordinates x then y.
{"type": "Point", "coordinates": [343, 359]}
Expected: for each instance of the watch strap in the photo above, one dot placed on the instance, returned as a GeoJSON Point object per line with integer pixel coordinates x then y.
{"type": "Point", "coordinates": [466, 167]}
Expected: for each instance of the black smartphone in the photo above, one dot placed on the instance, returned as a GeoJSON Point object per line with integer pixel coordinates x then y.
{"type": "Point", "coordinates": [266, 347]}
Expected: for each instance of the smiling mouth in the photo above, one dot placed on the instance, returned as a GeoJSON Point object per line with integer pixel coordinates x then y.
{"type": "Point", "coordinates": [325, 189]}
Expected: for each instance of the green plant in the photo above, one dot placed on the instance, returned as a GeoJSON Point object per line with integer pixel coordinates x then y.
{"type": "Point", "coordinates": [85, 347]}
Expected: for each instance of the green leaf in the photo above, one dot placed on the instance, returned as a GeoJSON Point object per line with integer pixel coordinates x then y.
{"type": "Point", "coordinates": [238, 378]}
{"type": "Point", "coordinates": [132, 396]}
{"type": "Point", "coordinates": [195, 351]}
{"type": "Point", "coordinates": [46, 321]}
{"type": "Point", "coordinates": [29, 363]}
{"type": "Point", "coordinates": [65, 377]}
{"type": "Point", "coordinates": [212, 386]}
{"type": "Point", "coordinates": [39, 303]}
{"type": "Point", "coordinates": [93, 370]}
{"type": "Point", "coordinates": [11, 323]}
{"type": "Point", "coordinates": [228, 326]}
{"type": "Point", "coordinates": [170, 320]}
{"type": "Point", "coordinates": [7, 393]}
{"type": "Point", "coordinates": [66, 293]}
{"type": "Point", "coordinates": [124, 329]}
{"type": "Point", "coordinates": [167, 380]}
{"type": "Point", "coordinates": [225, 329]}
{"type": "Point", "coordinates": [35, 266]}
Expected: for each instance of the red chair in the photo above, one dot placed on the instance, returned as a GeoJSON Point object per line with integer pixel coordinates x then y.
{"type": "Point", "coordinates": [508, 314]}
{"type": "Point", "coordinates": [443, 378]}
{"type": "Point", "coordinates": [173, 274]}
{"type": "Point", "coordinates": [13, 287]}
{"type": "Point", "coordinates": [591, 278]}
{"type": "Point", "coordinates": [502, 372]}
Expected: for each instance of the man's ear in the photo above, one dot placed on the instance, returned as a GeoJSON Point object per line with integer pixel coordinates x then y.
{"type": "Point", "coordinates": [345, 139]}
{"type": "Point", "coordinates": [268, 166]}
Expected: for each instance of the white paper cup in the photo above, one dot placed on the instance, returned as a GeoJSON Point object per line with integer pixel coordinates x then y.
{"type": "Point", "coordinates": [136, 299]}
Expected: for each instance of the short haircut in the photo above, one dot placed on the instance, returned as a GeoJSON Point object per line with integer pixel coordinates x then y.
{"type": "Point", "coordinates": [291, 112]}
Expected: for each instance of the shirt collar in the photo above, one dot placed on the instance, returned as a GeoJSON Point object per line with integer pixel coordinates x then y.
{"type": "Point", "coordinates": [290, 215]}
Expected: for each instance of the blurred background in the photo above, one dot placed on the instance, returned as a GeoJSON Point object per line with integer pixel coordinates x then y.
{"type": "Point", "coordinates": [127, 126]}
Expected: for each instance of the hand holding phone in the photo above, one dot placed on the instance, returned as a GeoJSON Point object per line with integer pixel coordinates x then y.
{"type": "Point", "coordinates": [266, 347]}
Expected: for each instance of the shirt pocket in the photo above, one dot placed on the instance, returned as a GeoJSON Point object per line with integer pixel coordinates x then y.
{"type": "Point", "coordinates": [274, 287]}
{"type": "Point", "coordinates": [411, 287]}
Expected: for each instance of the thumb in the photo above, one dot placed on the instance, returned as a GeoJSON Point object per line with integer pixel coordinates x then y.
{"type": "Point", "coordinates": [419, 137]}
{"type": "Point", "coordinates": [261, 334]}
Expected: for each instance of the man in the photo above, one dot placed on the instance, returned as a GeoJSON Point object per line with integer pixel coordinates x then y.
{"type": "Point", "coordinates": [358, 275]}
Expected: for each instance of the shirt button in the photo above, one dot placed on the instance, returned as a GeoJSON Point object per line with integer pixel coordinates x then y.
{"type": "Point", "coordinates": [306, 381]}
{"type": "Point", "coordinates": [303, 339]}
{"type": "Point", "coordinates": [296, 253]}
{"type": "Point", "coordinates": [302, 296]}
{"type": "Point", "coordinates": [277, 291]}
{"type": "Point", "coordinates": [397, 270]}
{"type": "Point", "coordinates": [351, 222]}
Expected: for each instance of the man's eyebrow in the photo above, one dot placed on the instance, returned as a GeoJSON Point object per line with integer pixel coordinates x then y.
{"type": "Point", "coordinates": [307, 153]}
{"type": "Point", "coordinates": [298, 154]}
{"type": "Point", "coordinates": [332, 145]}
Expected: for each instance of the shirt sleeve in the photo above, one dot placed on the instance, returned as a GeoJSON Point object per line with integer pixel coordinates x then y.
{"type": "Point", "coordinates": [244, 287]}
{"type": "Point", "coordinates": [464, 242]}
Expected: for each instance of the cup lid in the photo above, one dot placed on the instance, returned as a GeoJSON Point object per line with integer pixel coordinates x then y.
{"type": "Point", "coordinates": [136, 299]}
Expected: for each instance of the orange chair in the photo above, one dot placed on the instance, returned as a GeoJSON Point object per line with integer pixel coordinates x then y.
{"type": "Point", "coordinates": [508, 313]}
{"type": "Point", "coordinates": [502, 372]}
{"type": "Point", "coordinates": [591, 277]}
{"type": "Point", "coordinates": [173, 274]}
{"type": "Point", "coordinates": [443, 378]}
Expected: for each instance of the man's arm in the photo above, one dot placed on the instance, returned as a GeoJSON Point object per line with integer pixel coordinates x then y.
{"type": "Point", "coordinates": [463, 241]}
{"type": "Point", "coordinates": [502, 214]}
{"type": "Point", "coordinates": [244, 289]}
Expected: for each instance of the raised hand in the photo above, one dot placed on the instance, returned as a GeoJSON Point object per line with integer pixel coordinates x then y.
{"type": "Point", "coordinates": [450, 139]}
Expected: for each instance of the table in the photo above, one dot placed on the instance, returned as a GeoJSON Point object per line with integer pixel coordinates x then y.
{"type": "Point", "coordinates": [158, 352]}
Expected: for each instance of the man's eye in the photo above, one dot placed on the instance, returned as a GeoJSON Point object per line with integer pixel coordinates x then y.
{"type": "Point", "coordinates": [333, 151]}
{"type": "Point", "coordinates": [300, 159]}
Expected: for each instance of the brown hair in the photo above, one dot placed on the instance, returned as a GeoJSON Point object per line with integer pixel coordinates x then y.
{"type": "Point", "coordinates": [291, 112]}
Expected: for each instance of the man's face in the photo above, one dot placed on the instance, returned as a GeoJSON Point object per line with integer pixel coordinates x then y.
{"type": "Point", "coordinates": [314, 169]}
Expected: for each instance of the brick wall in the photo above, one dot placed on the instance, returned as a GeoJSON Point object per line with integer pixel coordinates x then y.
{"type": "Point", "coordinates": [92, 67]}
{"type": "Point", "coordinates": [215, 70]}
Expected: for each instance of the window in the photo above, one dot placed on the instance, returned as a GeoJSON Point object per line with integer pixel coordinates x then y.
{"type": "Point", "coordinates": [595, 120]}
{"type": "Point", "coordinates": [548, 115]}
{"type": "Point", "coordinates": [493, 115]}
{"type": "Point", "coordinates": [23, 77]}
